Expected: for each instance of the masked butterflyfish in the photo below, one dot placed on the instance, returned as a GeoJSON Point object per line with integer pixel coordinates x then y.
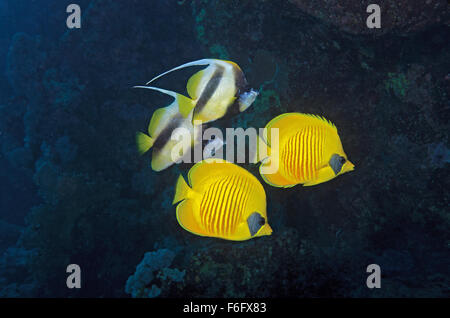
{"type": "Point", "coordinates": [162, 124]}
{"type": "Point", "coordinates": [218, 89]}
{"type": "Point", "coordinates": [221, 200]}
{"type": "Point", "coordinates": [309, 151]}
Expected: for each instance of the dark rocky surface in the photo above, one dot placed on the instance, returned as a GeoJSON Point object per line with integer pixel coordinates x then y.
{"type": "Point", "coordinates": [69, 117]}
{"type": "Point", "coordinates": [400, 17]}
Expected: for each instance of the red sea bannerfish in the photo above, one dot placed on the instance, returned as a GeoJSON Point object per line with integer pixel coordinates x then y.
{"type": "Point", "coordinates": [217, 90]}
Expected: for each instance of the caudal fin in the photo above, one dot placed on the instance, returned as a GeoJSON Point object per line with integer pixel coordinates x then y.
{"type": "Point", "coordinates": [261, 152]}
{"type": "Point", "coordinates": [194, 63]}
{"type": "Point", "coordinates": [181, 190]}
{"type": "Point", "coordinates": [144, 142]}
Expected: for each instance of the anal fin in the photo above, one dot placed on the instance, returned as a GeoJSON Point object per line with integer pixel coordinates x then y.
{"type": "Point", "coordinates": [186, 218]}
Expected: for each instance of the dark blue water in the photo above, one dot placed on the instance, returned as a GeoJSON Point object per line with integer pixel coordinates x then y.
{"type": "Point", "coordinates": [75, 191]}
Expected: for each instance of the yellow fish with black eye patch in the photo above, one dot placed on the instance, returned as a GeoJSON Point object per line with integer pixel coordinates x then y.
{"type": "Point", "coordinates": [223, 201]}
{"type": "Point", "coordinates": [163, 123]}
{"type": "Point", "coordinates": [309, 151]}
{"type": "Point", "coordinates": [217, 90]}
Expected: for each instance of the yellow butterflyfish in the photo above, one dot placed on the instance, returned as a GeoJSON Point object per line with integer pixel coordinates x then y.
{"type": "Point", "coordinates": [221, 200]}
{"type": "Point", "coordinates": [309, 151]}
{"type": "Point", "coordinates": [217, 90]}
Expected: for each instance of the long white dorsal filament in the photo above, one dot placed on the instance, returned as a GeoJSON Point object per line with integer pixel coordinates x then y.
{"type": "Point", "coordinates": [194, 63]}
{"type": "Point", "coordinates": [164, 91]}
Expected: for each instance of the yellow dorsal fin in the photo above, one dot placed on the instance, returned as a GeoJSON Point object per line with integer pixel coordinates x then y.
{"type": "Point", "coordinates": [156, 120]}
{"type": "Point", "coordinates": [321, 118]}
{"type": "Point", "coordinates": [203, 169]}
{"type": "Point", "coordinates": [215, 166]}
{"type": "Point", "coordinates": [185, 105]}
{"type": "Point", "coordinates": [291, 122]}
{"type": "Point", "coordinates": [232, 63]}
{"type": "Point", "coordinates": [193, 83]}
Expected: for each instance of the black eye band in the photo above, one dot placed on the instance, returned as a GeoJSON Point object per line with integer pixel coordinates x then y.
{"type": "Point", "coordinates": [336, 162]}
{"type": "Point", "coordinates": [255, 221]}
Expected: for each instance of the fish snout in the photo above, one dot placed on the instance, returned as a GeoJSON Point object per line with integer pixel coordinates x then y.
{"type": "Point", "coordinates": [267, 230]}
{"type": "Point", "coordinates": [246, 99]}
{"type": "Point", "coordinates": [351, 166]}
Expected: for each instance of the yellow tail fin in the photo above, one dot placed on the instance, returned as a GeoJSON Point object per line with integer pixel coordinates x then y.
{"type": "Point", "coordinates": [261, 152]}
{"type": "Point", "coordinates": [144, 142]}
{"type": "Point", "coordinates": [181, 190]}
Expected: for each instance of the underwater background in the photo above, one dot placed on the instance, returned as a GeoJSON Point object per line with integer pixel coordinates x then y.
{"type": "Point", "coordinates": [75, 190]}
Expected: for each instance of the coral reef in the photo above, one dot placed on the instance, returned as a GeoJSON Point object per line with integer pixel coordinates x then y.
{"type": "Point", "coordinates": [387, 110]}
{"type": "Point", "coordinates": [400, 17]}
{"type": "Point", "coordinates": [67, 129]}
{"type": "Point", "coordinates": [254, 269]}
{"type": "Point", "coordinates": [154, 266]}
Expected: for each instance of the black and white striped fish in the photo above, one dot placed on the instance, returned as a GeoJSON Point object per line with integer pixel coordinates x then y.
{"type": "Point", "coordinates": [164, 122]}
{"type": "Point", "coordinates": [217, 90]}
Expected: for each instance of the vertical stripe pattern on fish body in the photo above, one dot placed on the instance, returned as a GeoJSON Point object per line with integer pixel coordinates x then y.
{"type": "Point", "coordinates": [222, 200]}
{"type": "Point", "coordinates": [214, 90]}
{"type": "Point", "coordinates": [218, 89]}
{"type": "Point", "coordinates": [302, 154]}
{"type": "Point", "coordinates": [164, 122]}
{"type": "Point", "coordinates": [309, 151]}
{"type": "Point", "coordinates": [222, 205]}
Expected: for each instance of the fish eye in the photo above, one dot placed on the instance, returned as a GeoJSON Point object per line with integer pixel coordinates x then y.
{"type": "Point", "coordinates": [262, 221]}
{"type": "Point", "coordinates": [342, 160]}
